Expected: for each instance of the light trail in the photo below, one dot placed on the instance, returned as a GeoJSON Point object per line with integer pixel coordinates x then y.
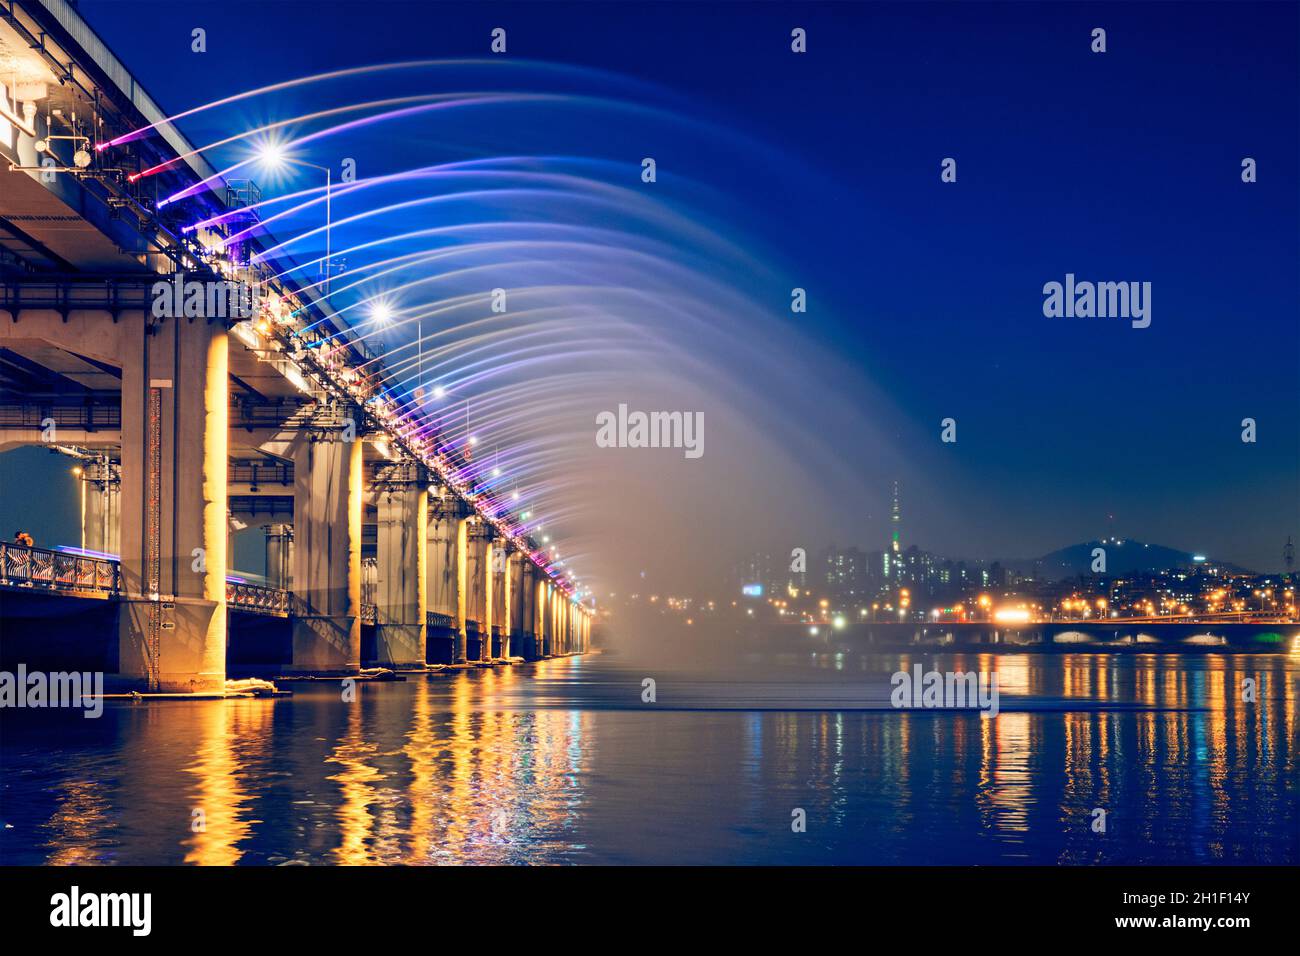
{"type": "Point", "coordinates": [387, 116]}
{"type": "Point", "coordinates": [293, 121]}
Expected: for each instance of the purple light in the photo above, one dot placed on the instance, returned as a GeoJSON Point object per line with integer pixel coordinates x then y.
{"type": "Point", "coordinates": [87, 553]}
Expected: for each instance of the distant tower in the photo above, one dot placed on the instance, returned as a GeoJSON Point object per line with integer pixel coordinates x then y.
{"type": "Point", "coordinates": [896, 523]}
{"type": "Point", "coordinates": [1288, 555]}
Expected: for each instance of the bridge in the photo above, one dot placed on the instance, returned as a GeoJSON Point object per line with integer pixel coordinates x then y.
{"type": "Point", "coordinates": [199, 390]}
{"type": "Point", "coordinates": [1239, 631]}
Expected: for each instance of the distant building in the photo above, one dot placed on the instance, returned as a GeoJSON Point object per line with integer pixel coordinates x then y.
{"type": "Point", "coordinates": [896, 523]}
{"type": "Point", "coordinates": [845, 573]}
{"type": "Point", "coordinates": [773, 572]}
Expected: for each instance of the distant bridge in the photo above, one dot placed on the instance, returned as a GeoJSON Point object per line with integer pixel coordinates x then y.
{"type": "Point", "coordinates": [1259, 633]}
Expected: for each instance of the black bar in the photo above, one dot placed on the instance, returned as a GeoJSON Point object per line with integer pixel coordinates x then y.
{"type": "Point", "coordinates": [932, 907]}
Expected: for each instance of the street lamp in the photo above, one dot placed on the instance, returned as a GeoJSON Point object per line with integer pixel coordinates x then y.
{"type": "Point", "coordinates": [273, 157]}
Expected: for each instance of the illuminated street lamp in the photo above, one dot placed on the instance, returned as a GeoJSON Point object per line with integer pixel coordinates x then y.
{"type": "Point", "coordinates": [273, 157]}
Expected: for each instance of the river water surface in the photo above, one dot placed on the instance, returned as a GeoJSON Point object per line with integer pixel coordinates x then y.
{"type": "Point", "coordinates": [563, 762]}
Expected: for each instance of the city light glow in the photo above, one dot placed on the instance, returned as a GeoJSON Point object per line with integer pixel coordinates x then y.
{"type": "Point", "coordinates": [1011, 615]}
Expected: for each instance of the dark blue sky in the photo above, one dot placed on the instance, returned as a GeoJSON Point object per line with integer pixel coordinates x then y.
{"type": "Point", "coordinates": [1122, 166]}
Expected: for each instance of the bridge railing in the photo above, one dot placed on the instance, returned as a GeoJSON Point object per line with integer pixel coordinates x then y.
{"type": "Point", "coordinates": [58, 570]}
{"type": "Point", "coordinates": [89, 414]}
{"type": "Point", "coordinates": [435, 619]}
{"type": "Point", "coordinates": [257, 597]}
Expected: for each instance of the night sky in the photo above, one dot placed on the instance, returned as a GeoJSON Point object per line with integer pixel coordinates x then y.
{"type": "Point", "coordinates": [822, 171]}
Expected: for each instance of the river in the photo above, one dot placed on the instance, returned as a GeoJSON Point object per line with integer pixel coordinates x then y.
{"type": "Point", "coordinates": [563, 762]}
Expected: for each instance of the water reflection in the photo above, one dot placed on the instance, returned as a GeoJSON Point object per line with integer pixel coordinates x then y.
{"type": "Point", "coordinates": [78, 825]}
{"type": "Point", "coordinates": [562, 762]}
{"type": "Point", "coordinates": [232, 740]}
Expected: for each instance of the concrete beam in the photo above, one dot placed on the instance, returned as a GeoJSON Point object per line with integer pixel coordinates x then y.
{"type": "Point", "coordinates": [90, 332]}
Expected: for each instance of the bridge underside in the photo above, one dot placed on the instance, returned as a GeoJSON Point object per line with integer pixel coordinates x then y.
{"type": "Point", "coordinates": [190, 425]}
{"type": "Point", "coordinates": [185, 434]}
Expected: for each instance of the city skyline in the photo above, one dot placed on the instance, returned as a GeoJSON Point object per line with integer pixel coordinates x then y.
{"type": "Point", "coordinates": [896, 544]}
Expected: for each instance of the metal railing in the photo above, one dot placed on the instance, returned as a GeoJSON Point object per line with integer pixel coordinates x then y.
{"type": "Point", "coordinates": [258, 598]}
{"type": "Point", "coordinates": [369, 614]}
{"type": "Point", "coordinates": [90, 414]}
{"type": "Point", "coordinates": [22, 566]}
{"type": "Point", "coordinates": [260, 473]}
{"type": "Point", "coordinates": [435, 619]}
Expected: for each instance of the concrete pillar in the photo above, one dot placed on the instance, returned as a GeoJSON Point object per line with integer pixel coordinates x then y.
{"type": "Point", "coordinates": [500, 599]}
{"type": "Point", "coordinates": [516, 586]}
{"type": "Point", "coordinates": [566, 620]}
{"type": "Point", "coordinates": [478, 591]}
{"type": "Point", "coordinates": [557, 609]}
{"type": "Point", "coordinates": [402, 548]}
{"type": "Point", "coordinates": [172, 617]}
{"type": "Point", "coordinates": [524, 637]}
{"type": "Point", "coordinates": [535, 609]}
{"type": "Point", "coordinates": [562, 623]}
{"type": "Point", "coordinates": [369, 571]}
{"type": "Point", "coordinates": [547, 612]}
{"type": "Point", "coordinates": [279, 555]}
{"type": "Point", "coordinates": [538, 615]}
{"type": "Point", "coordinates": [445, 638]}
{"type": "Point", "coordinates": [557, 631]}
{"type": "Point", "coordinates": [101, 513]}
{"type": "Point", "coordinates": [327, 503]}
{"type": "Point", "coordinates": [552, 619]}
{"type": "Point", "coordinates": [566, 633]}
{"type": "Point", "coordinates": [463, 600]}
